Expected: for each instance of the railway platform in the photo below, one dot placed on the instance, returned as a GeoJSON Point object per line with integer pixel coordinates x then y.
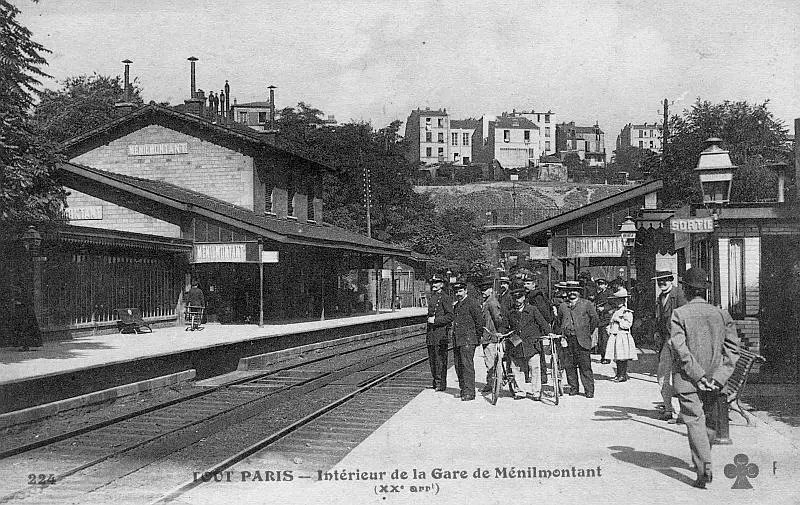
{"type": "Point", "coordinates": [64, 369]}
{"type": "Point", "coordinates": [608, 449]}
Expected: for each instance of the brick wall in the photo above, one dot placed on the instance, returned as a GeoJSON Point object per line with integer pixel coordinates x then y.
{"type": "Point", "coordinates": [207, 168]}
{"type": "Point", "coordinates": [120, 218]}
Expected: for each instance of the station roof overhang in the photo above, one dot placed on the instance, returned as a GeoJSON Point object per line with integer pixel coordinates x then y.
{"type": "Point", "coordinates": [537, 232]}
{"type": "Point", "coordinates": [86, 236]}
{"type": "Point", "coordinates": [164, 201]}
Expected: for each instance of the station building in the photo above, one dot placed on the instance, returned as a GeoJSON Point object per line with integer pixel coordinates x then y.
{"type": "Point", "coordinates": [159, 197]}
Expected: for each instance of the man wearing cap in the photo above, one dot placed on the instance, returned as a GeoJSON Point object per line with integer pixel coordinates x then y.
{"type": "Point", "coordinates": [467, 331]}
{"type": "Point", "coordinates": [529, 326]}
{"type": "Point", "coordinates": [577, 319]}
{"type": "Point", "coordinates": [670, 298]}
{"type": "Point", "coordinates": [493, 324]}
{"type": "Point", "coordinates": [705, 346]}
{"type": "Point", "coordinates": [604, 313]}
{"type": "Point", "coordinates": [440, 316]}
{"type": "Point", "coordinates": [504, 296]}
{"type": "Point", "coordinates": [536, 297]}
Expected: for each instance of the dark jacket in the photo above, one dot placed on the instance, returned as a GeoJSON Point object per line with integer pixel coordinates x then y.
{"type": "Point", "coordinates": [494, 321]}
{"type": "Point", "coordinates": [440, 306]}
{"type": "Point", "coordinates": [529, 325]}
{"type": "Point", "coordinates": [538, 300]}
{"type": "Point", "coordinates": [674, 299]}
{"type": "Point", "coordinates": [704, 343]}
{"type": "Point", "coordinates": [604, 311]}
{"type": "Point", "coordinates": [579, 321]}
{"type": "Point", "coordinates": [467, 322]}
{"type": "Point", "coordinates": [195, 297]}
{"type": "Point", "coordinates": [506, 303]}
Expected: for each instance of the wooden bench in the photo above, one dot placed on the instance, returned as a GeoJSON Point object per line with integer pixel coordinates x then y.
{"type": "Point", "coordinates": [735, 384]}
{"type": "Point", "coordinates": [131, 319]}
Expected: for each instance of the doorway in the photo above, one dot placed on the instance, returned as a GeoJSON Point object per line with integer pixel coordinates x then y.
{"type": "Point", "coordinates": [780, 297]}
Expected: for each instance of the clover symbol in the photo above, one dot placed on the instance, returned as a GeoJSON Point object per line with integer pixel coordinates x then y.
{"type": "Point", "coordinates": [741, 469]}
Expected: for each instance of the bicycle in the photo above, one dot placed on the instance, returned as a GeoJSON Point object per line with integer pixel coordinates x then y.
{"type": "Point", "coordinates": [194, 318]}
{"type": "Point", "coordinates": [502, 372]}
{"type": "Point", "coordinates": [555, 342]}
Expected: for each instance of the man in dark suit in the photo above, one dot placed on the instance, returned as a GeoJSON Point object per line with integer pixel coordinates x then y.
{"type": "Point", "coordinates": [529, 326]}
{"type": "Point", "coordinates": [604, 313]}
{"type": "Point", "coordinates": [670, 298]}
{"type": "Point", "coordinates": [440, 317]}
{"type": "Point", "coordinates": [467, 329]}
{"type": "Point", "coordinates": [705, 345]}
{"type": "Point", "coordinates": [577, 319]}
{"type": "Point", "coordinates": [535, 296]}
{"type": "Point", "coordinates": [504, 296]}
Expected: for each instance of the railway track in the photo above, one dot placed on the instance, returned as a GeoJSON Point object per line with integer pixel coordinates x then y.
{"type": "Point", "coordinates": [93, 461]}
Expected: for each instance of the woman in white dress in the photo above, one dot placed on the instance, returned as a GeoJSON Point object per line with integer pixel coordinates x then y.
{"type": "Point", "coordinates": [620, 347]}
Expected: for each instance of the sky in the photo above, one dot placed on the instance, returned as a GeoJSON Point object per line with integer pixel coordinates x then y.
{"type": "Point", "coordinates": [611, 62]}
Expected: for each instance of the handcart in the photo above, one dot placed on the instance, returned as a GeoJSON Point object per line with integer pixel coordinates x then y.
{"type": "Point", "coordinates": [194, 318]}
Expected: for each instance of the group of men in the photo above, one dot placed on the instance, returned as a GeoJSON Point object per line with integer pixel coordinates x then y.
{"type": "Point", "coordinates": [697, 344]}
{"type": "Point", "coordinates": [523, 312]}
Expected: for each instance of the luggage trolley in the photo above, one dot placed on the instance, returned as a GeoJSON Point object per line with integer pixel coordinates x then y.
{"type": "Point", "coordinates": [194, 318]}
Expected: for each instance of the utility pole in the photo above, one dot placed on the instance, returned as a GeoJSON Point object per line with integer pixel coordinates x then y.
{"type": "Point", "coordinates": [665, 133]}
{"type": "Point", "coordinates": [367, 191]}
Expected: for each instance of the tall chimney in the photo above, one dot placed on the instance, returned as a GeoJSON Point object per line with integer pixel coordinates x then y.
{"type": "Point", "coordinates": [194, 82]}
{"type": "Point", "coordinates": [195, 103]}
{"type": "Point", "coordinates": [125, 106]}
{"type": "Point", "coordinates": [228, 100]}
{"type": "Point", "coordinates": [271, 107]}
{"type": "Point", "coordinates": [222, 112]}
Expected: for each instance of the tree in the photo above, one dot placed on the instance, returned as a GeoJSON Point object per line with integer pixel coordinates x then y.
{"type": "Point", "coordinates": [28, 191]}
{"type": "Point", "coordinates": [750, 132]}
{"type": "Point", "coordinates": [83, 103]}
{"type": "Point", "coordinates": [637, 162]}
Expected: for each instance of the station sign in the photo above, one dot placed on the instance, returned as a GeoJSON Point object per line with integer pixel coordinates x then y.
{"type": "Point", "coordinates": [164, 148]}
{"type": "Point", "coordinates": [692, 225]}
{"type": "Point", "coordinates": [88, 213]}
{"type": "Point", "coordinates": [269, 256]}
{"type": "Point", "coordinates": [594, 247]}
{"type": "Point", "coordinates": [539, 253]}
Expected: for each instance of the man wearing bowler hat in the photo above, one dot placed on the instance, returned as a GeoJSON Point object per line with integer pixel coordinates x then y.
{"type": "Point", "coordinates": [467, 330]}
{"type": "Point", "coordinates": [670, 298]}
{"type": "Point", "coordinates": [577, 319]}
{"type": "Point", "coordinates": [440, 316]}
{"type": "Point", "coordinates": [704, 342]}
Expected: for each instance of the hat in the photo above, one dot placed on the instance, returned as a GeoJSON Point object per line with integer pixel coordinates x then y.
{"type": "Point", "coordinates": [459, 285]}
{"type": "Point", "coordinates": [485, 284]}
{"type": "Point", "coordinates": [518, 291]}
{"type": "Point", "coordinates": [528, 278]}
{"type": "Point", "coordinates": [560, 285]}
{"type": "Point", "coordinates": [600, 281]}
{"type": "Point", "coordinates": [505, 279]}
{"type": "Point", "coordinates": [573, 286]}
{"type": "Point", "coordinates": [663, 274]}
{"type": "Point", "coordinates": [696, 277]}
{"type": "Point", "coordinates": [435, 278]}
{"type": "Point", "coordinates": [619, 293]}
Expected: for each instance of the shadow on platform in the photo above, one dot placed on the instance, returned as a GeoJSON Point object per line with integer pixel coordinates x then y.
{"type": "Point", "coordinates": [662, 463]}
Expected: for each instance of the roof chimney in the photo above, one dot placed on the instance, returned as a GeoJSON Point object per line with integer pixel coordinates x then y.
{"type": "Point", "coordinates": [194, 105]}
{"type": "Point", "coordinates": [125, 107]}
{"type": "Point", "coordinates": [272, 107]}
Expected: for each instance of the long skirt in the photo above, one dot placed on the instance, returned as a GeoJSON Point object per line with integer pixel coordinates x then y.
{"type": "Point", "coordinates": [621, 346]}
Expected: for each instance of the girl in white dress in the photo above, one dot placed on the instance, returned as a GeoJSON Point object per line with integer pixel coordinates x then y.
{"type": "Point", "coordinates": [620, 347]}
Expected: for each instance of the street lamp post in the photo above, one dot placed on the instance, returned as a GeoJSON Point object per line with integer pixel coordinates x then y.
{"type": "Point", "coordinates": [514, 178]}
{"type": "Point", "coordinates": [715, 171]}
{"type": "Point", "coordinates": [627, 231]}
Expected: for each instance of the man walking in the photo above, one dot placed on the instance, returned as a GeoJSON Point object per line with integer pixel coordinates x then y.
{"type": "Point", "coordinates": [670, 298]}
{"type": "Point", "coordinates": [467, 328]}
{"type": "Point", "coordinates": [577, 319]}
{"type": "Point", "coordinates": [493, 324]}
{"type": "Point", "coordinates": [529, 326]}
{"type": "Point", "coordinates": [704, 342]}
{"type": "Point", "coordinates": [440, 316]}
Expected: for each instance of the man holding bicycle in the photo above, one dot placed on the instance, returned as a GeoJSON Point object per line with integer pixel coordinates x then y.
{"type": "Point", "coordinates": [493, 324]}
{"type": "Point", "coordinates": [529, 325]}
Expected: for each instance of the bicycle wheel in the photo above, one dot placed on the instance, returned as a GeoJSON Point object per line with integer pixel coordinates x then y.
{"type": "Point", "coordinates": [497, 381]}
{"type": "Point", "coordinates": [554, 373]}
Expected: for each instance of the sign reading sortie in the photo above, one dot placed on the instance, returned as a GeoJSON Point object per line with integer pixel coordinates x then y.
{"type": "Point", "coordinates": [692, 225]}
{"type": "Point", "coordinates": [158, 149]}
{"type": "Point", "coordinates": [594, 247]}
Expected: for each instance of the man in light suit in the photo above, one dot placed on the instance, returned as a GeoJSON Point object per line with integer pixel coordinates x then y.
{"type": "Point", "coordinates": [705, 346]}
